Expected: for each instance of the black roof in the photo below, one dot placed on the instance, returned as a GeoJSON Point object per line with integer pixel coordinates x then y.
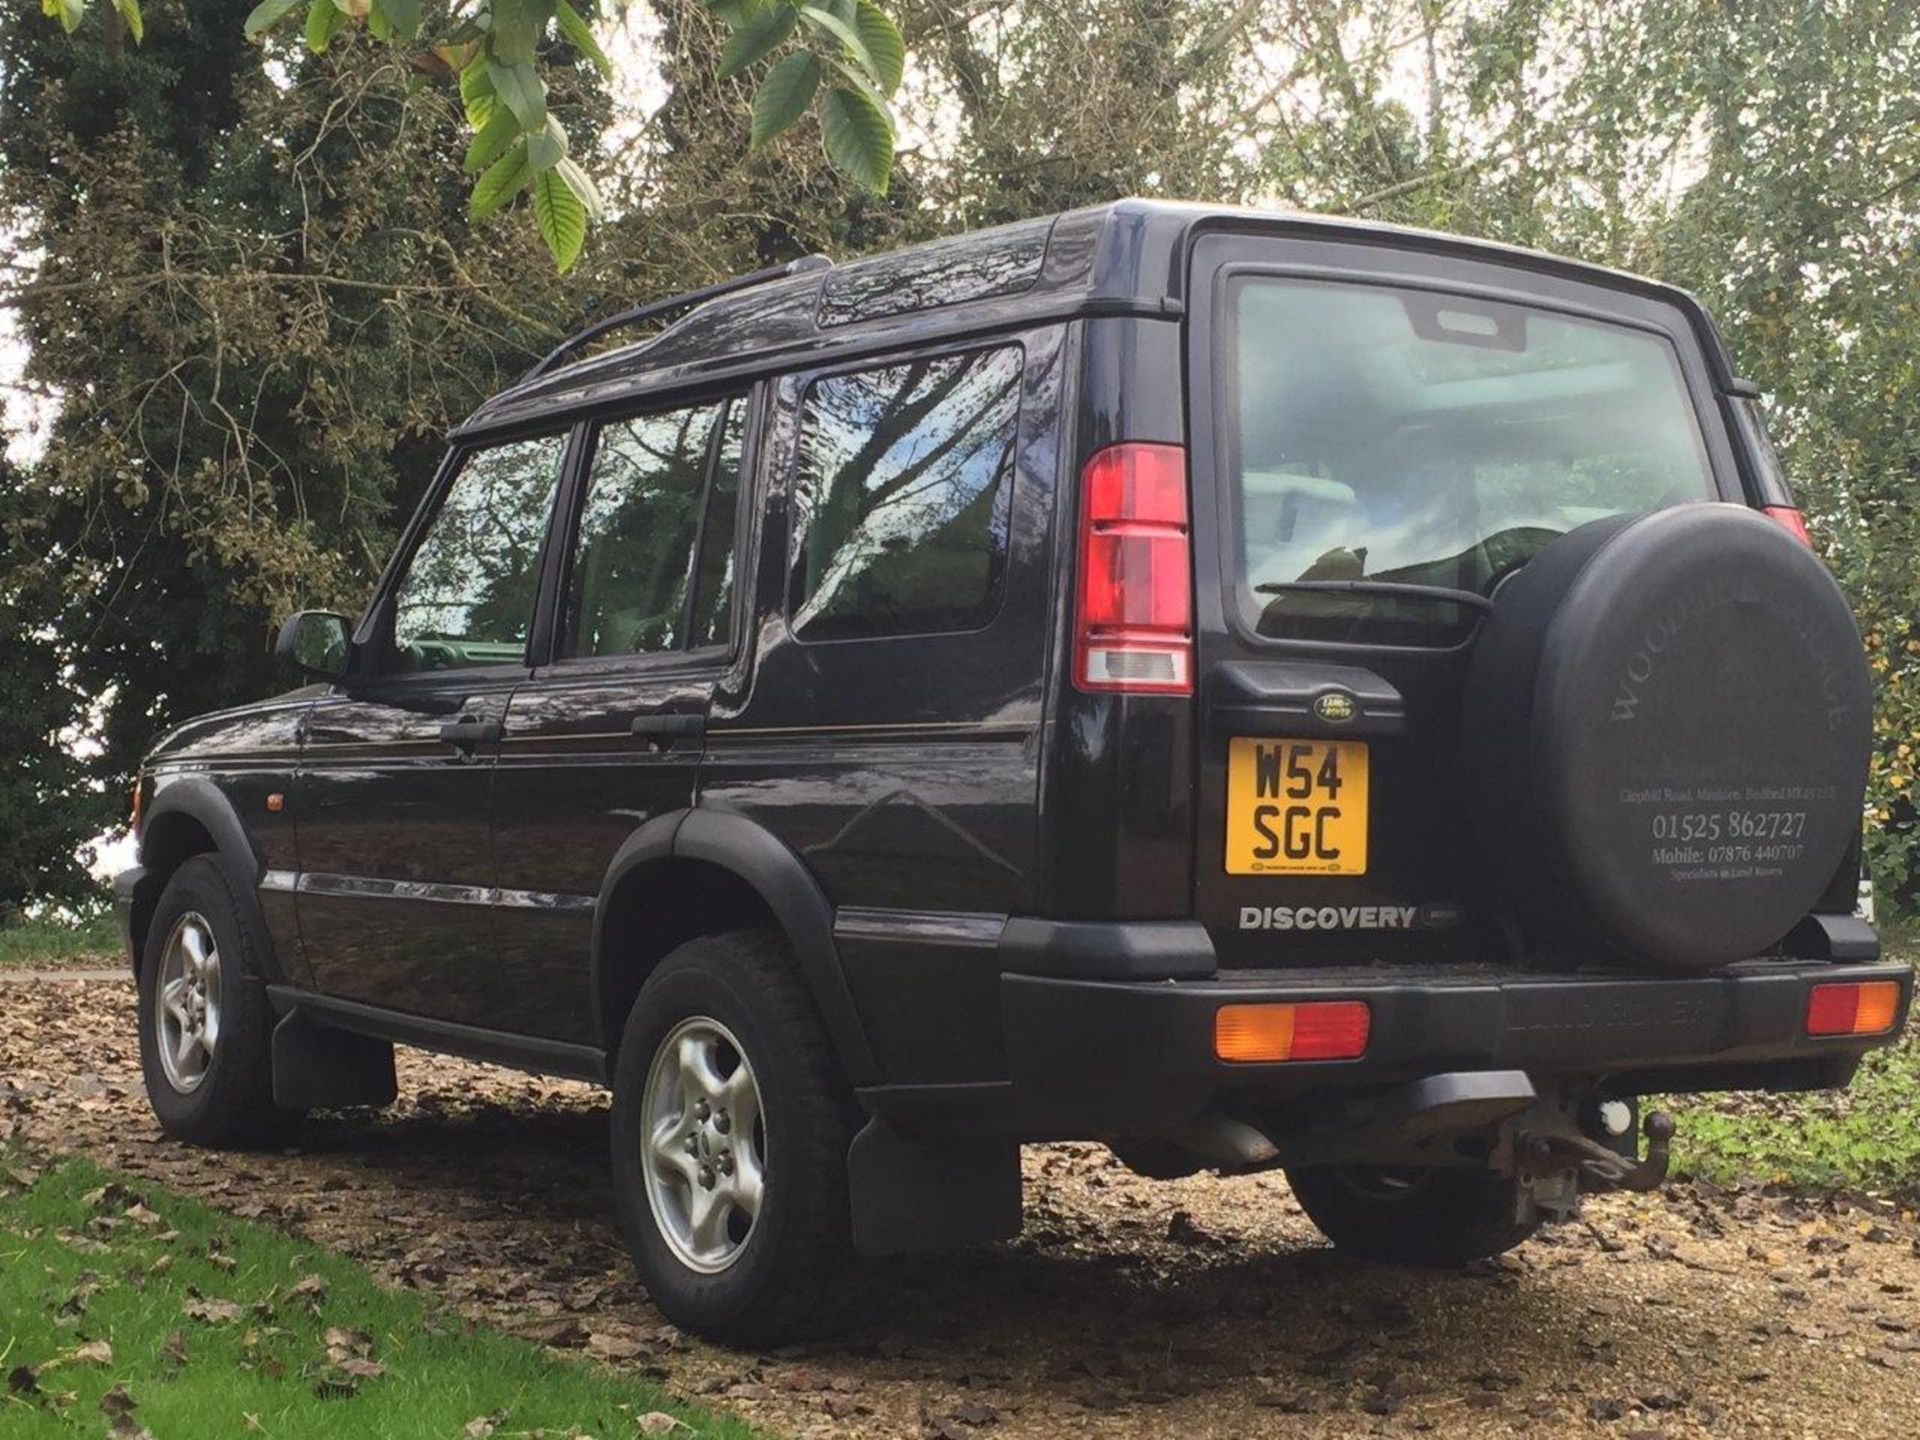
{"type": "Point", "coordinates": [1123, 258]}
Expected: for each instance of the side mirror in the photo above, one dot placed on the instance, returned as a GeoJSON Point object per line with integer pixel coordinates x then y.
{"type": "Point", "coordinates": [315, 642]}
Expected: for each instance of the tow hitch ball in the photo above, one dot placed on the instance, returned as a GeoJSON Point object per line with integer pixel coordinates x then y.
{"type": "Point", "coordinates": [1557, 1165]}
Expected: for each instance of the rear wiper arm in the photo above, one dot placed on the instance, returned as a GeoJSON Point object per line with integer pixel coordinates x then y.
{"type": "Point", "coordinates": [1438, 594]}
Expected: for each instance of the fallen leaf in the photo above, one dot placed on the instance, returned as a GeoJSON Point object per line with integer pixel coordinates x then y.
{"type": "Point", "coordinates": [116, 1401]}
{"type": "Point", "coordinates": [213, 1312]}
{"type": "Point", "coordinates": [174, 1348]}
{"type": "Point", "coordinates": [604, 1345]}
{"type": "Point", "coordinates": [656, 1422]}
{"type": "Point", "coordinates": [23, 1380]}
{"type": "Point", "coordinates": [94, 1352]}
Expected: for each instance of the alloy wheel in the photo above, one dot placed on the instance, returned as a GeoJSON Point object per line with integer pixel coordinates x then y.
{"type": "Point", "coordinates": [186, 1011]}
{"type": "Point", "coordinates": [703, 1138]}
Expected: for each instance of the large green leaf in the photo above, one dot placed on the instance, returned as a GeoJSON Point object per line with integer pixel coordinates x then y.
{"type": "Point", "coordinates": [784, 95]}
{"type": "Point", "coordinates": [323, 23]}
{"type": "Point", "coordinates": [580, 35]}
{"type": "Point", "coordinates": [490, 139]}
{"type": "Point", "coordinates": [858, 136]}
{"type": "Point", "coordinates": [136, 22]}
{"type": "Point", "coordinates": [503, 180]}
{"type": "Point", "coordinates": [522, 91]}
{"type": "Point", "coordinates": [582, 185]}
{"type": "Point", "coordinates": [68, 12]}
{"type": "Point", "coordinates": [753, 41]}
{"type": "Point", "coordinates": [477, 96]}
{"type": "Point", "coordinates": [561, 217]}
{"type": "Point", "coordinates": [517, 28]}
{"type": "Point", "coordinates": [404, 15]}
{"type": "Point", "coordinates": [546, 148]}
{"type": "Point", "coordinates": [824, 22]}
{"type": "Point", "coordinates": [267, 14]}
{"type": "Point", "coordinates": [884, 44]}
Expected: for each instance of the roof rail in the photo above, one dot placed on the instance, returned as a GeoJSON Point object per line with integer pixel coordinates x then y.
{"type": "Point", "coordinates": [653, 309]}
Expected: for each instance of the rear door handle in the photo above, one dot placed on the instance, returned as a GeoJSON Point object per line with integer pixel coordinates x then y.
{"type": "Point", "coordinates": [662, 730]}
{"type": "Point", "coordinates": [470, 732]}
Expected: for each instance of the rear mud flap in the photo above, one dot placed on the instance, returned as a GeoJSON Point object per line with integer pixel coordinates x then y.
{"type": "Point", "coordinates": [931, 1194]}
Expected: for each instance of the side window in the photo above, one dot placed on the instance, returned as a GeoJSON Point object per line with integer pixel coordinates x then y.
{"type": "Point", "coordinates": [635, 560]}
{"type": "Point", "coordinates": [901, 497]}
{"type": "Point", "coordinates": [713, 577]}
{"type": "Point", "coordinates": [467, 597]}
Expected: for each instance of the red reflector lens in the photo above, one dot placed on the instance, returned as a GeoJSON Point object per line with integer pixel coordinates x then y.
{"type": "Point", "coordinates": [1865, 1009]}
{"type": "Point", "coordinates": [1133, 627]}
{"type": "Point", "coordinates": [1145, 484]}
{"type": "Point", "coordinates": [1789, 520]}
{"type": "Point", "coordinates": [1136, 579]}
{"type": "Point", "coordinates": [1268, 1034]}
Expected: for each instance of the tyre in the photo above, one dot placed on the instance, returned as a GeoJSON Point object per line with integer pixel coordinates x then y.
{"type": "Point", "coordinates": [731, 1124]}
{"type": "Point", "coordinates": [206, 1028]}
{"type": "Point", "coordinates": [1665, 734]}
{"type": "Point", "coordinates": [1404, 1215]}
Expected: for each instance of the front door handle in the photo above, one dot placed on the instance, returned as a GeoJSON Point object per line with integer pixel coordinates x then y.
{"type": "Point", "coordinates": [470, 732]}
{"type": "Point", "coordinates": [661, 731]}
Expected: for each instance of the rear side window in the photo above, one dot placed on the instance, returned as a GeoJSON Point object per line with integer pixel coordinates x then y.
{"type": "Point", "coordinates": [1396, 435]}
{"type": "Point", "coordinates": [656, 532]}
{"type": "Point", "coordinates": [901, 497]}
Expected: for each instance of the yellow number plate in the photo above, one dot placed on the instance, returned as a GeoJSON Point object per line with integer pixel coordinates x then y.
{"type": "Point", "coordinates": [1296, 807]}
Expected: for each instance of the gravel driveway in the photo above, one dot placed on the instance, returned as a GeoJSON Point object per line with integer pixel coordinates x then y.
{"type": "Point", "coordinates": [1128, 1307]}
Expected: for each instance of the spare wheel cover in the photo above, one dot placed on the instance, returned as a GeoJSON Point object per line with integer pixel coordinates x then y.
{"type": "Point", "coordinates": [1700, 731]}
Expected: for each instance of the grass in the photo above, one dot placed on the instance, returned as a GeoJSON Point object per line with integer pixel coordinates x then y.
{"type": "Point", "coordinates": [51, 943]}
{"type": "Point", "coordinates": [117, 1294]}
{"type": "Point", "coordinates": [1864, 1138]}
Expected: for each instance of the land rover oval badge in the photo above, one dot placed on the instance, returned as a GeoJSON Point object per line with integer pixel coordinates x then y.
{"type": "Point", "coordinates": [1336, 707]}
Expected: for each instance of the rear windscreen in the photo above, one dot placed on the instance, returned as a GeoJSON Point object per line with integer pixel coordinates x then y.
{"type": "Point", "coordinates": [1378, 434]}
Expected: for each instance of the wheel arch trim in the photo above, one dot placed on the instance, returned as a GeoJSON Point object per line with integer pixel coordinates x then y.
{"type": "Point", "coordinates": [765, 864]}
{"type": "Point", "coordinates": [191, 797]}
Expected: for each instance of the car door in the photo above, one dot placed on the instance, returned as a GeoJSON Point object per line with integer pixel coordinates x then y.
{"type": "Point", "coordinates": [396, 895]}
{"type": "Point", "coordinates": [610, 733]}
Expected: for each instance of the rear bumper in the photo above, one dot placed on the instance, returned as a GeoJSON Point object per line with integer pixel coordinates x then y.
{"type": "Point", "coordinates": [1091, 1057]}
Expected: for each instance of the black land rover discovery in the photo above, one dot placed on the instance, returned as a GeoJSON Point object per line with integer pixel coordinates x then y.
{"type": "Point", "coordinates": [1254, 689]}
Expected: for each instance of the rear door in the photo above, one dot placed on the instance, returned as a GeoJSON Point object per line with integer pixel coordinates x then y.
{"type": "Point", "coordinates": [610, 733]}
{"type": "Point", "coordinates": [1377, 437]}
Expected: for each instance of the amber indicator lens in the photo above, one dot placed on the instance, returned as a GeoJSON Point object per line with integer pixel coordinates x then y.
{"type": "Point", "coordinates": [1869, 1008]}
{"type": "Point", "coordinates": [1315, 1030]}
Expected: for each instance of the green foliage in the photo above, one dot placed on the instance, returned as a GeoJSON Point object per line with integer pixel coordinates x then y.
{"type": "Point", "coordinates": [52, 801]}
{"type": "Point", "coordinates": [1861, 1138]}
{"type": "Point", "coordinates": [46, 942]}
{"type": "Point", "coordinates": [192, 1322]}
{"type": "Point", "coordinates": [500, 43]}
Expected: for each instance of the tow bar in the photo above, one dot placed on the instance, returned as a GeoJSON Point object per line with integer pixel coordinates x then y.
{"type": "Point", "coordinates": [1555, 1164]}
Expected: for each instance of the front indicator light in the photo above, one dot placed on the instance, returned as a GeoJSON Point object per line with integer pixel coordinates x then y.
{"type": "Point", "coordinates": [1315, 1030]}
{"type": "Point", "coordinates": [1869, 1008]}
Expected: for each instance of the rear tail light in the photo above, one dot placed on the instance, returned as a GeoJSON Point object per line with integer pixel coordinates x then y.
{"type": "Point", "coordinates": [134, 808]}
{"type": "Point", "coordinates": [1133, 625]}
{"type": "Point", "coordinates": [1317, 1030]}
{"type": "Point", "coordinates": [1789, 520]}
{"type": "Point", "coordinates": [1869, 1008]}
